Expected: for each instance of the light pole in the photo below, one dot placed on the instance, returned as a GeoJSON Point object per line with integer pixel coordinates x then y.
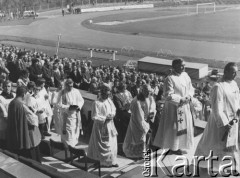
{"type": "Point", "coordinates": [58, 43]}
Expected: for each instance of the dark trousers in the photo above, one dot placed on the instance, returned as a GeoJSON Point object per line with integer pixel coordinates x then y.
{"type": "Point", "coordinates": [43, 129]}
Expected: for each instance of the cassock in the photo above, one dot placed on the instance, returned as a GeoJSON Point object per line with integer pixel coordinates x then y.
{"type": "Point", "coordinates": [225, 103]}
{"type": "Point", "coordinates": [72, 118]}
{"type": "Point", "coordinates": [103, 140]}
{"type": "Point", "coordinates": [17, 127]}
{"type": "Point", "coordinates": [175, 130]}
{"type": "Point", "coordinates": [135, 141]}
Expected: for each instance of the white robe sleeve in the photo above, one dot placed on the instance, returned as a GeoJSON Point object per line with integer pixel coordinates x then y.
{"type": "Point", "coordinates": [218, 105]}
{"type": "Point", "coordinates": [80, 100]}
{"type": "Point", "coordinates": [191, 90]}
{"type": "Point", "coordinates": [31, 117]}
{"type": "Point", "coordinates": [60, 104]}
{"type": "Point", "coordinates": [153, 108]}
{"type": "Point", "coordinates": [113, 108]}
{"type": "Point", "coordinates": [4, 110]}
{"type": "Point", "coordinates": [138, 116]}
{"type": "Point", "coordinates": [169, 93]}
{"type": "Point", "coordinates": [33, 104]}
{"type": "Point", "coordinates": [96, 112]}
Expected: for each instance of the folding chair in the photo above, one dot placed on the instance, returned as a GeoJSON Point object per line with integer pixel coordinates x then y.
{"type": "Point", "coordinates": [83, 162]}
{"type": "Point", "coordinates": [62, 149]}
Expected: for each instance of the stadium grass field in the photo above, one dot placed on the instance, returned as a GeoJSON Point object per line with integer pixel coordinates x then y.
{"type": "Point", "coordinates": [76, 36]}
{"type": "Point", "coordinates": [222, 26]}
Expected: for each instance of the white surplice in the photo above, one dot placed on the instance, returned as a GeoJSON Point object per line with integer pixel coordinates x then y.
{"type": "Point", "coordinates": [175, 88]}
{"type": "Point", "coordinates": [225, 102]}
{"type": "Point", "coordinates": [135, 141]}
{"type": "Point", "coordinates": [3, 118]}
{"type": "Point", "coordinates": [57, 117]}
{"type": "Point", "coordinates": [72, 118]}
{"type": "Point", "coordinates": [103, 140]}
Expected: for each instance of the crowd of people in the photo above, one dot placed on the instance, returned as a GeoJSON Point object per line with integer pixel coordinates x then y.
{"type": "Point", "coordinates": [133, 109]}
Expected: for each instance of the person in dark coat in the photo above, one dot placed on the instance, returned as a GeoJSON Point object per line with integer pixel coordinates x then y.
{"type": "Point", "coordinates": [57, 75]}
{"type": "Point", "coordinates": [75, 76]}
{"type": "Point", "coordinates": [86, 79]}
{"type": "Point", "coordinates": [22, 134]}
{"type": "Point", "coordinates": [122, 101]}
{"type": "Point", "coordinates": [48, 74]}
{"type": "Point", "coordinates": [13, 70]}
{"type": "Point", "coordinates": [136, 88]}
{"type": "Point", "coordinates": [35, 70]}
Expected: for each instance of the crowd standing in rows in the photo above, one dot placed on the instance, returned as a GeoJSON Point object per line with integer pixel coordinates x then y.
{"type": "Point", "coordinates": [134, 109]}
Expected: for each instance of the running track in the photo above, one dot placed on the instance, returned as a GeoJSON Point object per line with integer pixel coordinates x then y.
{"type": "Point", "coordinates": [72, 31]}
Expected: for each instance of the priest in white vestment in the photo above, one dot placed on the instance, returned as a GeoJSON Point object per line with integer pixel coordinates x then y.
{"type": "Point", "coordinates": [103, 141]}
{"type": "Point", "coordinates": [221, 133]}
{"type": "Point", "coordinates": [175, 131]}
{"type": "Point", "coordinates": [44, 96]}
{"type": "Point", "coordinates": [143, 108]}
{"type": "Point", "coordinates": [3, 120]}
{"type": "Point", "coordinates": [70, 101]}
{"type": "Point", "coordinates": [57, 117]}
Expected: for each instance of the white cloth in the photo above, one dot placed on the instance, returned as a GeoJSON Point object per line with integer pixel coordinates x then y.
{"type": "Point", "coordinates": [3, 117]}
{"type": "Point", "coordinates": [135, 141]}
{"type": "Point", "coordinates": [103, 140]}
{"type": "Point", "coordinates": [37, 104]}
{"type": "Point", "coordinates": [175, 88]}
{"type": "Point", "coordinates": [45, 99]}
{"type": "Point", "coordinates": [72, 118]}
{"type": "Point", "coordinates": [225, 103]}
{"type": "Point", "coordinates": [57, 116]}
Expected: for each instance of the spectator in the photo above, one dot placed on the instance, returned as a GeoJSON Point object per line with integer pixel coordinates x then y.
{"type": "Point", "coordinates": [57, 75]}
{"type": "Point", "coordinates": [76, 77]}
{"type": "Point", "coordinates": [94, 88]}
{"type": "Point", "coordinates": [136, 89]}
{"type": "Point", "coordinates": [7, 90]}
{"type": "Point", "coordinates": [35, 70]}
{"type": "Point", "coordinates": [86, 79]}
{"type": "Point", "coordinates": [48, 73]}
{"type": "Point", "coordinates": [13, 70]}
{"type": "Point", "coordinates": [23, 79]}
